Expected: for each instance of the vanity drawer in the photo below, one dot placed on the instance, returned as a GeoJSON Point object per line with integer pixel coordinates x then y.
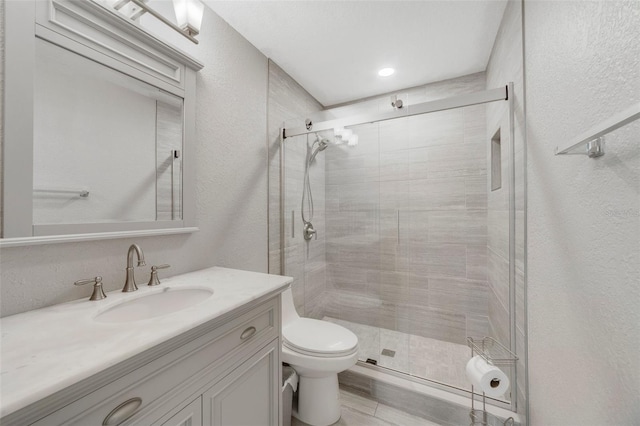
{"type": "Point", "coordinates": [158, 387]}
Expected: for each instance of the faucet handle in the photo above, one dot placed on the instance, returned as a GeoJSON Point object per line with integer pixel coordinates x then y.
{"type": "Point", "coordinates": [153, 280]}
{"type": "Point", "coordinates": [98, 292]}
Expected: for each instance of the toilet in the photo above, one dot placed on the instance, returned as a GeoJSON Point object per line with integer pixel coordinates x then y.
{"type": "Point", "coordinates": [317, 351]}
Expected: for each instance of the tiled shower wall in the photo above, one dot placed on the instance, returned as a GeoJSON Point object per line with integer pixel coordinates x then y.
{"type": "Point", "coordinates": [168, 168]}
{"type": "Point", "coordinates": [406, 218]}
{"type": "Point", "coordinates": [304, 262]}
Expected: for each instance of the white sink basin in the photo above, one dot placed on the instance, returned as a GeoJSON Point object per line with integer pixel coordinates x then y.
{"type": "Point", "coordinates": [155, 305]}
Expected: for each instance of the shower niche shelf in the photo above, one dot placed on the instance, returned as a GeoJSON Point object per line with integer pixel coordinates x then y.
{"type": "Point", "coordinates": [494, 353]}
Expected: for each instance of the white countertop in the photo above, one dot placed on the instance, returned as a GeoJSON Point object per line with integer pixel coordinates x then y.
{"type": "Point", "coordinates": [46, 350]}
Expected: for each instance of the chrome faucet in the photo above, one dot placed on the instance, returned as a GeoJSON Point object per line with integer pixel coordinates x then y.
{"type": "Point", "coordinates": [130, 282]}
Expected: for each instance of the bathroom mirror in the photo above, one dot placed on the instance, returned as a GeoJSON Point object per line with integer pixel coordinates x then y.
{"type": "Point", "coordinates": [98, 128]}
{"type": "Point", "coordinates": [106, 147]}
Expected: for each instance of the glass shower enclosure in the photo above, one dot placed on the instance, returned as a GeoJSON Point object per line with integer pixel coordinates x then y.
{"type": "Point", "coordinates": [412, 222]}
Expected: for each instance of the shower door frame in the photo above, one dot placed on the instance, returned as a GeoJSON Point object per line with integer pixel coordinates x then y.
{"type": "Point", "coordinates": [460, 101]}
{"type": "Point", "coordinates": [487, 96]}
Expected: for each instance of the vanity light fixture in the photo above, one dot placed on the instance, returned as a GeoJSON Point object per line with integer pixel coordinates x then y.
{"type": "Point", "coordinates": [386, 72]}
{"type": "Point", "coordinates": [188, 14]}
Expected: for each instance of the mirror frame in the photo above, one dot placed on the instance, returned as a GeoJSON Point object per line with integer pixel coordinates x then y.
{"type": "Point", "coordinates": [92, 30]}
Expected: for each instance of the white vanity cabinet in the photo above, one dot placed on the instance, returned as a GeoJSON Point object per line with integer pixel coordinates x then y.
{"type": "Point", "coordinates": [245, 396]}
{"type": "Point", "coordinates": [191, 415]}
{"type": "Point", "coordinates": [226, 372]}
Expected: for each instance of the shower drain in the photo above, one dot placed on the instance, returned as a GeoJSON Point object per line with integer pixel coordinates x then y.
{"type": "Point", "coordinates": [389, 353]}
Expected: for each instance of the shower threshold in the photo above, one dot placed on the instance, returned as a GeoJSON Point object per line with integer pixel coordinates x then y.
{"type": "Point", "coordinates": [442, 405]}
{"type": "Point", "coordinates": [425, 377]}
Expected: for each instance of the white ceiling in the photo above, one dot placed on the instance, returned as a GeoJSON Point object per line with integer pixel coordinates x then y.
{"type": "Point", "coordinates": [334, 49]}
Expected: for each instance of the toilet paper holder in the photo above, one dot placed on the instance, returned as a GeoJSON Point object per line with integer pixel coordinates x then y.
{"type": "Point", "coordinates": [494, 353]}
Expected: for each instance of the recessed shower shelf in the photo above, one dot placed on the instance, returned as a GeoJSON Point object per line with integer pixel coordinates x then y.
{"type": "Point", "coordinates": [593, 139]}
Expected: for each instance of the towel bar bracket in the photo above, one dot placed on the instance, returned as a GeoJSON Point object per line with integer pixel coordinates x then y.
{"type": "Point", "coordinates": [595, 148]}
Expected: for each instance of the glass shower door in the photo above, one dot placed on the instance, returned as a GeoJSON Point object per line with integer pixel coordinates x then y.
{"type": "Point", "coordinates": [304, 259]}
{"type": "Point", "coordinates": [353, 240]}
{"type": "Point", "coordinates": [410, 249]}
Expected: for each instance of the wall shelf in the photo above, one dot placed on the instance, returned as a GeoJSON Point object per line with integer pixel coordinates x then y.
{"type": "Point", "coordinates": [593, 140]}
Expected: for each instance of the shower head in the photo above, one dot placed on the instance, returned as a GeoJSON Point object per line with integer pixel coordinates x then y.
{"type": "Point", "coordinates": [322, 142]}
{"type": "Point", "coordinates": [320, 145]}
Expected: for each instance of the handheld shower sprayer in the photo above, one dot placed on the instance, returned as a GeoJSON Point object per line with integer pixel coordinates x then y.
{"type": "Point", "coordinates": [320, 144]}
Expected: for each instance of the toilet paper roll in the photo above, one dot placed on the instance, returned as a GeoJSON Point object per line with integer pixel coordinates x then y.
{"type": "Point", "coordinates": [488, 378]}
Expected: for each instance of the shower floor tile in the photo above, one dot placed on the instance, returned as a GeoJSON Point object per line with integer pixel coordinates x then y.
{"type": "Point", "coordinates": [441, 361]}
{"type": "Point", "coordinates": [418, 356]}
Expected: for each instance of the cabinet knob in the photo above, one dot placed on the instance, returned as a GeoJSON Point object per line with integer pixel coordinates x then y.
{"type": "Point", "coordinates": [122, 412]}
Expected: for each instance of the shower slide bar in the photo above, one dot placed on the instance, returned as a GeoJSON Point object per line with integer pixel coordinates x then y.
{"type": "Point", "coordinates": [593, 138]}
{"type": "Point", "coordinates": [493, 95]}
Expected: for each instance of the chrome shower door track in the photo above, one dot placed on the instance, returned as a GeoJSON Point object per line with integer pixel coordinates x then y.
{"type": "Point", "coordinates": [493, 95]}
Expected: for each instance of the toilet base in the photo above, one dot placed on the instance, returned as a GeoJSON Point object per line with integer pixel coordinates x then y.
{"type": "Point", "coordinates": [318, 400]}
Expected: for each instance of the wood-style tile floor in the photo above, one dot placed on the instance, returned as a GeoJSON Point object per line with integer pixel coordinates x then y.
{"type": "Point", "coordinates": [360, 411]}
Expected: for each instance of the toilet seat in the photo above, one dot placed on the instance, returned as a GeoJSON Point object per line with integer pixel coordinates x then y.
{"type": "Point", "coordinates": [319, 338]}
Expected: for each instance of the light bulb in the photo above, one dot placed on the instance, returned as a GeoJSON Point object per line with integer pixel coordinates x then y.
{"type": "Point", "coordinates": [386, 72]}
{"type": "Point", "coordinates": [189, 15]}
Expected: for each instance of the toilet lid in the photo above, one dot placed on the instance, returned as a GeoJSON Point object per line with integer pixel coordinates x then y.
{"type": "Point", "coordinates": [319, 338]}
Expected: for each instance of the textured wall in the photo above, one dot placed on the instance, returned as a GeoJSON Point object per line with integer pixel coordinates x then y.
{"type": "Point", "coordinates": [1, 104]}
{"type": "Point", "coordinates": [304, 261]}
{"type": "Point", "coordinates": [582, 63]}
{"type": "Point", "coordinates": [506, 65]}
{"type": "Point", "coordinates": [231, 153]}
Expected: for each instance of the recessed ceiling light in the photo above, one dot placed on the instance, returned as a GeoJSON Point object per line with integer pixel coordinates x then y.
{"type": "Point", "coordinates": [386, 72]}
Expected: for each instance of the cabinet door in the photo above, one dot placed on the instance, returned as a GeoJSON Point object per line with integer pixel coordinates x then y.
{"type": "Point", "coordinates": [249, 395]}
{"type": "Point", "coordinates": [191, 415]}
